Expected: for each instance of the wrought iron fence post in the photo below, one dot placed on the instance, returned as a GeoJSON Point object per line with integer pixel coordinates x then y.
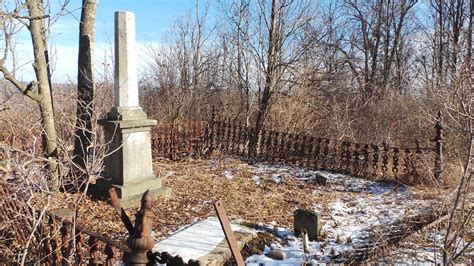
{"type": "Point", "coordinates": [141, 241]}
{"type": "Point", "coordinates": [211, 134]}
{"type": "Point", "coordinates": [439, 147]}
{"type": "Point", "coordinates": [385, 158]}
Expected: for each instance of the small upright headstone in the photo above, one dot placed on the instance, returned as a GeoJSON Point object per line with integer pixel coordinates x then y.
{"type": "Point", "coordinates": [309, 221]}
{"type": "Point", "coordinates": [320, 179]}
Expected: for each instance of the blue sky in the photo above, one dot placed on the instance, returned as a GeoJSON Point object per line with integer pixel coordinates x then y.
{"type": "Point", "coordinates": [154, 18]}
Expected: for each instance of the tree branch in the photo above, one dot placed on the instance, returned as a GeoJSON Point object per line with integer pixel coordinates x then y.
{"type": "Point", "coordinates": [25, 89]}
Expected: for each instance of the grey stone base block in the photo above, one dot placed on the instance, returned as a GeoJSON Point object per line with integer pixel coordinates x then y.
{"type": "Point", "coordinates": [135, 201]}
{"type": "Point", "coordinates": [131, 194]}
{"type": "Point", "coordinates": [126, 113]}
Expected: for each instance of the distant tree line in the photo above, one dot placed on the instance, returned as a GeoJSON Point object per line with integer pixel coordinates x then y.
{"type": "Point", "coordinates": [347, 69]}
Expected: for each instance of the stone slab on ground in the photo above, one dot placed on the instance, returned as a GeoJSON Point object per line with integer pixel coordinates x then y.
{"type": "Point", "coordinates": [204, 241]}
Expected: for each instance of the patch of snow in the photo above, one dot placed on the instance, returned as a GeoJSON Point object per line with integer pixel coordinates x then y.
{"type": "Point", "coordinates": [319, 252]}
{"type": "Point", "coordinates": [196, 240]}
{"type": "Point", "coordinates": [427, 251]}
{"type": "Point", "coordinates": [168, 174]}
{"type": "Point", "coordinates": [276, 178]}
{"type": "Point", "coordinates": [338, 182]}
{"type": "Point", "coordinates": [347, 222]}
{"type": "Point", "coordinates": [229, 175]}
{"type": "Point", "coordinates": [348, 218]}
{"type": "Point", "coordinates": [256, 179]}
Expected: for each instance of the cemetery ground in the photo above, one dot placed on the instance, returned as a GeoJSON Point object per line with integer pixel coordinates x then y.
{"type": "Point", "coordinates": [362, 219]}
{"type": "Point", "coordinates": [368, 214]}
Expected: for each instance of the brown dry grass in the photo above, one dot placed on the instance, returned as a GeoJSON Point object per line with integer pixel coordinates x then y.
{"type": "Point", "coordinates": [196, 184]}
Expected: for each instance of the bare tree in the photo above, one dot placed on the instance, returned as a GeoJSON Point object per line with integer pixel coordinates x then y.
{"type": "Point", "coordinates": [237, 59]}
{"type": "Point", "coordinates": [181, 71]}
{"type": "Point", "coordinates": [267, 45]}
{"type": "Point", "coordinates": [379, 27]}
{"type": "Point", "coordinates": [39, 90]}
{"type": "Point", "coordinates": [461, 209]}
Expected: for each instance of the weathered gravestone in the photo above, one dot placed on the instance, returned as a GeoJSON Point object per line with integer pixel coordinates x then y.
{"type": "Point", "coordinates": [309, 221]}
{"type": "Point", "coordinates": [128, 168]}
{"type": "Point", "coordinates": [320, 180]}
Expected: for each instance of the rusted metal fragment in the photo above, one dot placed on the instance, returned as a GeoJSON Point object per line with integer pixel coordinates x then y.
{"type": "Point", "coordinates": [121, 212]}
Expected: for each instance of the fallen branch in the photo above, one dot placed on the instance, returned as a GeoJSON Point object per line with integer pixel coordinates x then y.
{"type": "Point", "coordinates": [394, 232]}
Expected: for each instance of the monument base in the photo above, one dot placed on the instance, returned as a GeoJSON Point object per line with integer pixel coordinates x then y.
{"type": "Point", "coordinates": [131, 194]}
{"type": "Point", "coordinates": [129, 165]}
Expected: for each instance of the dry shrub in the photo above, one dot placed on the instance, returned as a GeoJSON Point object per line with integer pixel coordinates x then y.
{"type": "Point", "coordinates": [21, 149]}
{"type": "Point", "coordinates": [401, 120]}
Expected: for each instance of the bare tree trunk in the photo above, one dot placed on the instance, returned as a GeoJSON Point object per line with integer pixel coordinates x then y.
{"type": "Point", "coordinates": [387, 39]}
{"type": "Point", "coordinates": [244, 101]}
{"type": "Point", "coordinates": [470, 78]}
{"type": "Point", "coordinates": [241, 79]}
{"type": "Point", "coordinates": [459, 217]}
{"type": "Point", "coordinates": [469, 40]}
{"type": "Point", "coordinates": [273, 40]}
{"type": "Point", "coordinates": [440, 7]}
{"type": "Point", "coordinates": [38, 37]}
{"type": "Point", "coordinates": [405, 7]}
{"type": "Point", "coordinates": [375, 51]}
{"type": "Point", "coordinates": [85, 88]}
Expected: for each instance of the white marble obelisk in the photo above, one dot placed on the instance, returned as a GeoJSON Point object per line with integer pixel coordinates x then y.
{"type": "Point", "coordinates": [127, 130]}
{"type": "Point", "coordinates": [126, 81]}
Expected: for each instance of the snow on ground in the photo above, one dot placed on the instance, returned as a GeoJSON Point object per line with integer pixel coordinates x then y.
{"type": "Point", "coordinates": [352, 209]}
{"type": "Point", "coordinates": [197, 240]}
{"type": "Point", "coordinates": [229, 175]}
{"type": "Point", "coordinates": [424, 247]}
{"type": "Point", "coordinates": [355, 208]}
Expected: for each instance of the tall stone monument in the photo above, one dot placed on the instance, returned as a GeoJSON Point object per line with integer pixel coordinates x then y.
{"type": "Point", "coordinates": [128, 168]}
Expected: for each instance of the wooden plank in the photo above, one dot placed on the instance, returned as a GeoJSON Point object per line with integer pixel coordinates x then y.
{"type": "Point", "coordinates": [229, 234]}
